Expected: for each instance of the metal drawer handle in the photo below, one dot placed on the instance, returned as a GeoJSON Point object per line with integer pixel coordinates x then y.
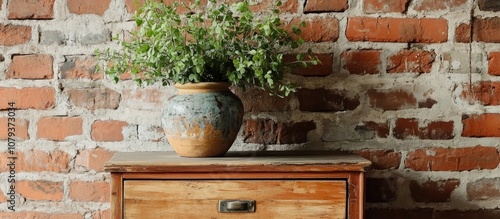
{"type": "Point", "coordinates": [236, 206]}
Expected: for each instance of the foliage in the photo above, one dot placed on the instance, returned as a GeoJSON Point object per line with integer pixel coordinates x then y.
{"type": "Point", "coordinates": [210, 43]}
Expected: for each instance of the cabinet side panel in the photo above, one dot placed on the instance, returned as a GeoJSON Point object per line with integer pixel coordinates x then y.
{"type": "Point", "coordinates": [116, 196]}
{"type": "Point", "coordinates": [356, 196]}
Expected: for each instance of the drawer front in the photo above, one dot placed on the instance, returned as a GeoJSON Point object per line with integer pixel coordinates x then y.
{"type": "Point", "coordinates": [200, 198]}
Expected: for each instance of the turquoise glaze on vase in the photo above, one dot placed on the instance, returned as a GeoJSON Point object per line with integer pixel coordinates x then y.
{"type": "Point", "coordinates": [203, 119]}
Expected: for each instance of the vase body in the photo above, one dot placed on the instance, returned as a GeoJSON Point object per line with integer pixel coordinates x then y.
{"type": "Point", "coordinates": [203, 119]}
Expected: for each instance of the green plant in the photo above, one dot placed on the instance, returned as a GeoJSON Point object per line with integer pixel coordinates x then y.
{"type": "Point", "coordinates": [210, 43]}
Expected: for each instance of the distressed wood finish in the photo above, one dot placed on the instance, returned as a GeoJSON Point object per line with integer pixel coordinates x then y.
{"type": "Point", "coordinates": [284, 185]}
{"type": "Point", "coordinates": [199, 199]}
{"type": "Point", "coordinates": [243, 161]}
{"type": "Point", "coordinates": [116, 195]}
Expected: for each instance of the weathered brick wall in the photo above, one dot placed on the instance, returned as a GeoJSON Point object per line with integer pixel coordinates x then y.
{"type": "Point", "coordinates": [411, 85]}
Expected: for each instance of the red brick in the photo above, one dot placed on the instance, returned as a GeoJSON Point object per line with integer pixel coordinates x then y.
{"type": "Point", "coordinates": [89, 191]}
{"type": "Point", "coordinates": [418, 213]}
{"type": "Point", "coordinates": [324, 68]}
{"type": "Point", "coordinates": [432, 5]}
{"type": "Point", "coordinates": [409, 128]}
{"type": "Point", "coordinates": [414, 61]}
{"type": "Point", "coordinates": [94, 98]}
{"type": "Point", "coordinates": [450, 159]}
{"type": "Point", "coordinates": [433, 191]}
{"type": "Point", "coordinates": [483, 125]}
{"type": "Point", "coordinates": [27, 9]}
{"type": "Point", "coordinates": [325, 5]}
{"type": "Point", "coordinates": [380, 130]}
{"type": "Point", "coordinates": [381, 190]}
{"type": "Point", "coordinates": [403, 30]}
{"type": "Point", "coordinates": [266, 131]}
{"type": "Point", "coordinates": [381, 159]}
{"type": "Point", "coordinates": [101, 214]}
{"type": "Point", "coordinates": [489, 5]}
{"type": "Point", "coordinates": [110, 130]}
{"type": "Point", "coordinates": [485, 92]}
{"type": "Point", "coordinates": [93, 159]}
{"type": "Point", "coordinates": [40, 190]}
{"type": "Point", "coordinates": [377, 6]}
{"type": "Point", "coordinates": [331, 100]}
{"type": "Point", "coordinates": [462, 33]}
{"type": "Point", "coordinates": [262, 131]}
{"type": "Point", "coordinates": [486, 30]}
{"type": "Point", "coordinates": [484, 189]}
{"type": "Point", "coordinates": [11, 35]}
{"type": "Point", "coordinates": [290, 6]}
{"type": "Point", "coordinates": [392, 99]}
{"type": "Point", "coordinates": [129, 76]}
{"type": "Point", "coordinates": [133, 5]}
{"type": "Point", "coordinates": [39, 215]}
{"type": "Point", "coordinates": [27, 98]}
{"type": "Point", "coordinates": [80, 67]}
{"type": "Point", "coordinates": [31, 67]}
{"type": "Point", "coordinates": [39, 161]}
{"type": "Point", "coordinates": [88, 6]}
{"type": "Point", "coordinates": [126, 76]}
{"type": "Point", "coordinates": [470, 214]}
{"type": "Point", "coordinates": [20, 126]}
{"type": "Point", "coordinates": [317, 29]}
{"type": "Point", "coordinates": [361, 62]}
{"type": "Point", "coordinates": [59, 128]}
{"type": "Point", "coordinates": [494, 63]}
{"type": "Point", "coordinates": [294, 132]}
{"type": "Point", "coordinates": [256, 100]}
{"type": "Point", "coordinates": [427, 103]}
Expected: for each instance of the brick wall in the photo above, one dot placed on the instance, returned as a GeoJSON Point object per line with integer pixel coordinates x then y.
{"type": "Point", "coordinates": [411, 85]}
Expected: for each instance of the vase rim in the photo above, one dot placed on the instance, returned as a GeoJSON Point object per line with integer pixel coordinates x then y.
{"type": "Point", "coordinates": [202, 87]}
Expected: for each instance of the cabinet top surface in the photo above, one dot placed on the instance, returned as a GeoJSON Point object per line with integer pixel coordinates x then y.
{"type": "Point", "coordinates": [243, 161]}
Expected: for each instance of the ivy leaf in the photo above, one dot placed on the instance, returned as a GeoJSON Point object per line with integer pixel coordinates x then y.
{"type": "Point", "coordinates": [139, 22]}
{"type": "Point", "coordinates": [296, 30]}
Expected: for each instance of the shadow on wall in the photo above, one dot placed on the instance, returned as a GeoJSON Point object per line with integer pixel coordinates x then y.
{"type": "Point", "coordinates": [396, 196]}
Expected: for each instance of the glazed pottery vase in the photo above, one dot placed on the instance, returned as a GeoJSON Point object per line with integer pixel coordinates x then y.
{"type": "Point", "coordinates": [203, 119]}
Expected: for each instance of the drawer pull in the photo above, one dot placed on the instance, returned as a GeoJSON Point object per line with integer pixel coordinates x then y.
{"type": "Point", "coordinates": [236, 206]}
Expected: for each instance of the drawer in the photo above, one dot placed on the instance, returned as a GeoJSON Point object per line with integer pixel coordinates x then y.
{"type": "Point", "coordinates": [200, 198]}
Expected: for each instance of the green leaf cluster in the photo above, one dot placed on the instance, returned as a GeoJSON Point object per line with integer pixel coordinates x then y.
{"type": "Point", "coordinates": [217, 42]}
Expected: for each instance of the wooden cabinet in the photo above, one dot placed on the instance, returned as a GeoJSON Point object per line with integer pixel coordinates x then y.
{"type": "Point", "coordinates": [238, 185]}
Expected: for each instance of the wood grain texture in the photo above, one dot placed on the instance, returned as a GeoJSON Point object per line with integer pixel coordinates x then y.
{"type": "Point", "coordinates": [199, 198]}
{"type": "Point", "coordinates": [243, 161]}
{"type": "Point", "coordinates": [116, 195]}
{"type": "Point", "coordinates": [232, 174]}
{"type": "Point", "coordinates": [356, 189]}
